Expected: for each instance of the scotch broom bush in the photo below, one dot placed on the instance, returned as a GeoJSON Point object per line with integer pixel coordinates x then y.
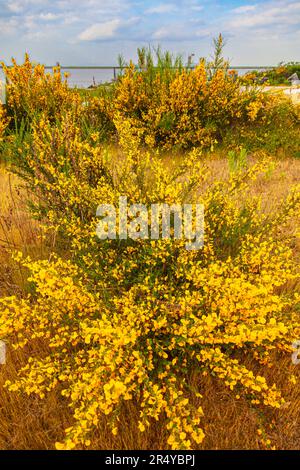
{"type": "Point", "coordinates": [169, 106]}
{"type": "Point", "coordinates": [125, 320]}
{"type": "Point", "coordinates": [164, 103]}
{"type": "Point", "coordinates": [31, 91]}
{"type": "Point", "coordinates": [184, 111]}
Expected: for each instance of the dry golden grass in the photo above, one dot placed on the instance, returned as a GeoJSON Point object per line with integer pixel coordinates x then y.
{"type": "Point", "coordinates": [29, 423]}
{"type": "Point", "coordinates": [17, 232]}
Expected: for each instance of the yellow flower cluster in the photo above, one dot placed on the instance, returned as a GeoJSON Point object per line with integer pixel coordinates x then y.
{"type": "Point", "coordinates": [3, 122]}
{"type": "Point", "coordinates": [30, 90]}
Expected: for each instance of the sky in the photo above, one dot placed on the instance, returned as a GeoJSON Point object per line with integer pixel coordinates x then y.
{"type": "Point", "coordinates": [94, 32]}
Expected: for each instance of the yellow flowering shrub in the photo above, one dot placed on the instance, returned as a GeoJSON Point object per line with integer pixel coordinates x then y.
{"type": "Point", "coordinates": [132, 319]}
{"type": "Point", "coordinates": [273, 124]}
{"type": "Point", "coordinates": [184, 109]}
{"type": "Point", "coordinates": [3, 122]}
{"type": "Point", "coordinates": [164, 106]}
{"type": "Point", "coordinates": [30, 90]}
{"type": "Point", "coordinates": [145, 104]}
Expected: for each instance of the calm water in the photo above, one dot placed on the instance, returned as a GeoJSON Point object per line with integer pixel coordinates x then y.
{"type": "Point", "coordinates": [83, 78]}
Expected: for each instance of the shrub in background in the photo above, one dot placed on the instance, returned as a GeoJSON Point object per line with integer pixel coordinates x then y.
{"type": "Point", "coordinates": [173, 106]}
{"type": "Point", "coordinates": [274, 126]}
{"type": "Point", "coordinates": [31, 91]}
{"type": "Point", "coordinates": [183, 110]}
{"type": "Point", "coordinates": [164, 103]}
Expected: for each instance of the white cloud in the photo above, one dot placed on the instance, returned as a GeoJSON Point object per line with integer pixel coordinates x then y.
{"type": "Point", "coordinates": [94, 7]}
{"type": "Point", "coordinates": [15, 7]}
{"type": "Point", "coordinates": [49, 16]}
{"type": "Point", "coordinates": [173, 32]}
{"type": "Point", "coordinates": [36, 35]}
{"type": "Point", "coordinates": [71, 19]}
{"type": "Point", "coordinates": [262, 31]}
{"type": "Point", "coordinates": [162, 8]}
{"type": "Point", "coordinates": [161, 33]}
{"type": "Point", "coordinates": [8, 27]}
{"type": "Point", "coordinates": [107, 29]}
{"type": "Point", "coordinates": [28, 22]}
{"type": "Point", "coordinates": [203, 33]}
{"type": "Point", "coordinates": [192, 5]}
{"type": "Point", "coordinates": [277, 14]}
{"type": "Point", "coordinates": [245, 9]}
{"type": "Point", "coordinates": [104, 30]}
